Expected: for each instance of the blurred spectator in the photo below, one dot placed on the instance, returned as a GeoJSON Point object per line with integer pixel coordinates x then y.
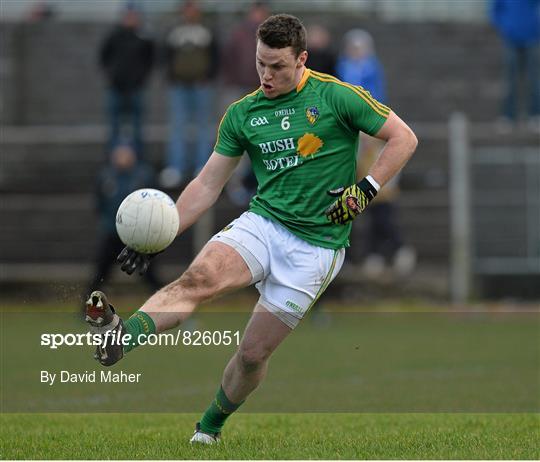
{"type": "Point", "coordinates": [359, 65]}
{"type": "Point", "coordinates": [384, 241]}
{"type": "Point", "coordinates": [123, 174]}
{"type": "Point", "coordinates": [321, 56]}
{"type": "Point", "coordinates": [41, 11]}
{"type": "Point", "coordinates": [518, 23]}
{"type": "Point", "coordinates": [240, 79]}
{"type": "Point", "coordinates": [126, 57]}
{"type": "Point", "coordinates": [191, 57]}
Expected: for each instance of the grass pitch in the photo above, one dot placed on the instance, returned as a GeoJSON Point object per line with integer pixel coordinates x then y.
{"type": "Point", "coordinates": [270, 436]}
{"type": "Point", "coordinates": [418, 386]}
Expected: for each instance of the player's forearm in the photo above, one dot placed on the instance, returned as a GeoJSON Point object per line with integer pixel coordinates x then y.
{"type": "Point", "coordinates": [196, 199]}
{"type": "Point", "coordinates": [393, 157]}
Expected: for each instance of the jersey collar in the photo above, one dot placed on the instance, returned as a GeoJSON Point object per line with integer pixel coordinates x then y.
{"type": "Point", "coordinates": [303, 80]}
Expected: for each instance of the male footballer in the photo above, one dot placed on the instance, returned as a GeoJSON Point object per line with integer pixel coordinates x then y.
{"type": "Point", "coordinates": [300, 129]}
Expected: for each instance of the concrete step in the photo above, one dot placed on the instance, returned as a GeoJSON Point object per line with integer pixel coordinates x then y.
{"type": "Point", "coordinates": [61, 227]}
{"type": "Point", "coordinates": [60, 159]}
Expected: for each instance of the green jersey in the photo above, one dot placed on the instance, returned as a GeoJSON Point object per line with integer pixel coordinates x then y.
{"type": "Point", "coordinates": [302, 144]}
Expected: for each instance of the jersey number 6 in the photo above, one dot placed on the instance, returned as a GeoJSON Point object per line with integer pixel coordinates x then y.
{"type": "Point", "coordinates": [285, 124]}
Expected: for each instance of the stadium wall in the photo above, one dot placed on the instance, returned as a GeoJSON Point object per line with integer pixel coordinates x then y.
{"type": "Point", "coordinates": [52, 117]}
{"type": "Point", "coordinates": [50, 73]}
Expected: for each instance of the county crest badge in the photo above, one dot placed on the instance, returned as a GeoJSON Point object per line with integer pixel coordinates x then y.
{"type": "Point", "coordinates": [312, 114]}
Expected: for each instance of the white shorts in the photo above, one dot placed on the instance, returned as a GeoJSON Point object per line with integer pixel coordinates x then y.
{"type": "Point", "coordinates": [290, 273]}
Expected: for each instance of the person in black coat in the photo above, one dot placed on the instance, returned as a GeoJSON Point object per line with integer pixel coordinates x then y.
{"type": "Point", "coordinates": [127, 58]}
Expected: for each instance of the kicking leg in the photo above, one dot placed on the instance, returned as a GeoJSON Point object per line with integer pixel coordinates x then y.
{"type": "Point", "coordinates": [217, 269]}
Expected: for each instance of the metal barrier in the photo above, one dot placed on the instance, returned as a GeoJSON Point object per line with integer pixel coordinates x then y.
{"type": "Point", "coordinates": [506, 210]}
{"type": "Point", "coordinates": [495, 210]}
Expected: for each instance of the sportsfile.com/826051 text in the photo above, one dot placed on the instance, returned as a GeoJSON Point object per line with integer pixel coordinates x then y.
{"type": "Point", "coordinates": [179, 338]}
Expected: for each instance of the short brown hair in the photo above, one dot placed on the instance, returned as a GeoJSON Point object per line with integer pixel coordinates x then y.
{"type": "Point", "coordinates": [282, 31]}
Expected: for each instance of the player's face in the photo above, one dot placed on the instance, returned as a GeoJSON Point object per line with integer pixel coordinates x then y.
{"type": "Point", "coordinates": [279, 69]}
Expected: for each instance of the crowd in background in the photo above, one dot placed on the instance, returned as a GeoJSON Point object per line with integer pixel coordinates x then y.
{"type": "Point", "coordinates": [193, 59]}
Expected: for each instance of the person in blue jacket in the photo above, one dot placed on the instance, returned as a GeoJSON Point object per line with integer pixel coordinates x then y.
{"type": "Point", "coordinates": [384, 244]}
{"type": "Point", "coordinates": [518, 23]}
{"type": "Point", "coordinates": [359, 65]}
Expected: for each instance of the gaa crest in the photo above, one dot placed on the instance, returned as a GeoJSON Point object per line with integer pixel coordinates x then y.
{"type": "Point", "coordinates": [312, 114]}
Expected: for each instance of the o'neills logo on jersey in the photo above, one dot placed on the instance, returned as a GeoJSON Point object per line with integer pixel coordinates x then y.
{"type": "Point", "coordinates": [271, 147]}
{"type": "Point", "coordinates": [284, 112]}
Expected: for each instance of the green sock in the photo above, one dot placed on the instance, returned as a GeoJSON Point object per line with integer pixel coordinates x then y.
{"type": "Point", "coordinates": [215, 416]}
{"type": "Point", "coordinates": [139, 324]}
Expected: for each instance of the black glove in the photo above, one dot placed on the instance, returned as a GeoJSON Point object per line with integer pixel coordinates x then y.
{"type": "Point", "coordinates": [352, 200]}
{"type": "Point", "coordinates": [131, 260]}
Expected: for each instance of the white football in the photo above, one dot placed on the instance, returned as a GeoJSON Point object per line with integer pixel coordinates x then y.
{"type": "Point", "coordinates": [147, 220]}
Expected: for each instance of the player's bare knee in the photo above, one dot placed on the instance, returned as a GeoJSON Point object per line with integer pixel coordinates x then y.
{"type": "Point", "coordinates": [252, 358]}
